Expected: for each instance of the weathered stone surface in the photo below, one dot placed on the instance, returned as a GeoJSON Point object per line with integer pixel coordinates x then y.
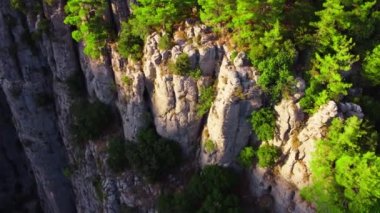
{"type": "Point", "coordinates": [130, 81]}
{"type": "Point", "coordinates": [26, 82]}
{"type": "Point", "coordinates": [18, 187]}
{"type": "Point", "coordinates": [227, 126]}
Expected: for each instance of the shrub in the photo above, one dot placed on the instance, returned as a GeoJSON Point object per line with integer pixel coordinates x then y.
{"type": "Point", "coordinates": [90, 120]}
{"type": "Point", "coordinates": [196, 73]}
{"type": "Point", "coordinates": [153, 156]}
{"type": "Point", "coordinates": [207, 96]}
{"type": "Point", "coordinates": [130, 45]}
{"type": "Point", "coordinates": [76, 85]}
{"type": "Point", "coordinates": [44, 99]}
{"type": "Point", "coordinates": [264, 123]}
{"type": "Point", "coordinates": [127, 81]}
{"type": "Point", "coordinates": [117, 159]}
{"type": "Point", "coordinates": [181, 65]}
{"type": "Point", "coordinates": [18, 5]}
{"type": "Point", "coordinates": [246, 156]}
{"type": "Point", "coordinates": [371, 68]}
{"type": "Point", "coordinates": [345, 169]}
{"type": "Point", "coordinates": [209, 191]}
{"type": "Point", "coordinates": [91, 28]}
{"type": "Point", "coordinates": [267, 155]}
{"type": "Point", "coordinates": [209, 146]}
{"type": "Point", "coordinates": [97, 183]}
{"type": "Point", "coordinates": [165, 42]}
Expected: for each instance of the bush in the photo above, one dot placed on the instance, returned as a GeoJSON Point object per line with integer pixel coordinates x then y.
{"type": "Point", "coordinates": [90, 120]}
{"type": "Point", "coordinates": [276, 78]}
{"type": "Point", "coordinates": [91, 28]}
{"type": "Point", "coordinates": [267, 155]}
{"type": "Point", "coordinates": [153, 156]}
{"type": "Point", "coordinates": [207, 96]}
{"type": "Point", "coordinates": [18, 5]}
{"type": "Point", "coordinates": [130, 45]}
{"type": "Point", "coordinates": [345, 169]}
{"type": "Point", "coordinates": [165, 42]}
{"type": "Point", "coordinates": [127, 81]}
{"type": "Point", "coordinates": [76, 84]}
{"type": "Point", "coordinates": [264, 123]}
{"type": "Point", "coordinates": [209, 191]}
{"type": "Point", "coordinates": [117, 159]}
{"type": "Point", "coordinates": [371, 68]}
{"type": "Point", "coordinates": [246, 156]}
{"type": "Point", "coordinates": [209, 146]}
{"type": "Point", "coordinates": [181, 65]}
{"type": "Point", "coordinates": [196, 73]}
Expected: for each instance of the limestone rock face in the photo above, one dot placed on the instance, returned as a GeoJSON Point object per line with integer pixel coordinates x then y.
{"type": "Point", "coordinates": [72, 177]}
{"type": "Point", "coordinates": [227, 124]}
{"type": "Point", "coordinates": [99, 77]}
{"type": "Point", "coordinates": [27, 84]}
{"type": "Point", "coordinates": [297, 143]}
{"type": "Point", "coordinates": [130, 81]}
{"type": "Point", "coordinates": [174, 98]}
{"type": "Point", "coordinates": [16, 177]}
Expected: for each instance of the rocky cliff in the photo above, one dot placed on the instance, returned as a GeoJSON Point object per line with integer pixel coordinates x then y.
{"type": "Point", "coordinates": [37, 62]}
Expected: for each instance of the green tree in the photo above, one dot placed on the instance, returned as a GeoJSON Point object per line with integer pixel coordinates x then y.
{"type": "Point", "coordinates": [216, 12]}
{"type": "Point", "coordinates": [153, 156]}
{"type": "Point", "coordinates": [91, 28]}
{"type": "Point", "coordinates": [206, 98]}
{"type": "Point", "coordinates": [90, 120]}
{"type": "Point", "coordinates": [340, 168]}
{"type": "Point", "coordinates": [211, 190]}
{"type": "Point", "coordinates": [246, 156]}
{"type": "Point", "coordinates": [371, 66]}
{"type": "Point", "coordinates": [359, 176]}
{"type": "Point", "coordinates": [150, 15]}
{"type": "Point", "coordinates": [267, 155]}
{"type": "Point", "coordinates": [264, 123]}
{"type": "Point", "coordinates": [130, 45]}
{"type": "Point", "coordinates": [117, 160]}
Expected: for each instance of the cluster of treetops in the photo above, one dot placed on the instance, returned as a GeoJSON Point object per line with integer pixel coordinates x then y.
{"type": "Point", "coordinates": [334, 45]}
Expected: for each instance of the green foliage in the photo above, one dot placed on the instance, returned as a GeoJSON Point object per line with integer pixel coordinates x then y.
{"type": "Point", "coordinates": [98, 187]}
{"type": "Point", "coordinates": [127, 81]}
{"type": "Point", "coordinates": [153, 156]}
{"type": "Point", "coordinates": [149, 15]}
{"type": "Point", "coordinates": [87, 17]}
{"type": "Point", "coordinates": [44, 99]}
{"type": "Point", "coordinates": [181, 65]}
{"type": "Point", "coordinates": [371, 66]}
{"type": "Point", "coordinates": [165, 42]}
{"type": "Point", "coordinates": [67, 172]}
{"type": "Point", "coordinates": [209, 146]}
{"type": "Point", "coordinates": [345, 168]}
{"type": "Point", "coordinates": [206, 98]}
{"type": "Point", "coordinates": [130, 45]}
{"type": "Point", "coordinates": [267, 155]}
{"type": "Point", "coordinates": [333, 56]}
{"type": "Point", "coordinates": [18, 5]}
{"type": "Point", "coordinates": [275, 73]}
{"type": "Point", "coordinates": [49, 2]}
{"type": "Point", "coordinates": [264, 123]}
{"type": "Point", "coordinates": [90, 120]}
{"type": "Point", "coordinates": [246, 156]}
{"type": "Point", "coordinates": [215, 12]}
{"type": "Point", "coordinates": [76, 85]}
{"type": "Point", "coordinates": [117, 159]}
{"type": "Point", "coordinates": [209, 191]}
{"type": "Point", "coordinates": [196, 73]}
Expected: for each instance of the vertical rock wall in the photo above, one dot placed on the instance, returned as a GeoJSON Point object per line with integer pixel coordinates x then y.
{"type": "Point", "coordinates": [27, 83]}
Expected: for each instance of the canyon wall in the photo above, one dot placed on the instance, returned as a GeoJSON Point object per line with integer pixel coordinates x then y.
{"type": "Point", "coordinates": [36, 65]}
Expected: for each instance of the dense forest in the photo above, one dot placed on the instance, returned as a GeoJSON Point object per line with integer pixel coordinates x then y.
{"type": "Point", "coordinates": [333, 45]}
